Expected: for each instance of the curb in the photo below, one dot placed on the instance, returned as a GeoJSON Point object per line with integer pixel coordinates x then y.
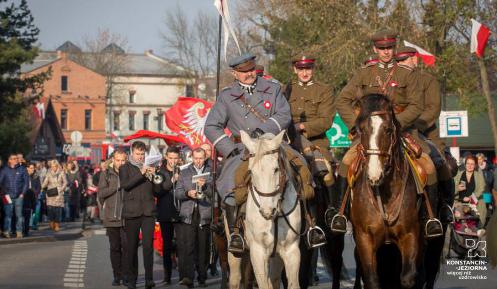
{"type": "Point", "coordinates": [52, 237]}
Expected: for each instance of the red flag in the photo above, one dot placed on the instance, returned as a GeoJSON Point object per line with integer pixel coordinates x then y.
{"type": "Point", "coordinates": [479, 37]}
{"type": "Point", "coordinates": [427, 57]}
{"type": "Point", "coordinates": [187, 118]}
{"type": "Point", "coordinates": [169, 139]}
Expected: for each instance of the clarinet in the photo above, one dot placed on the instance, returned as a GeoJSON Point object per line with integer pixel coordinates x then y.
{"type": "Point", "coordinates": [176, 202]}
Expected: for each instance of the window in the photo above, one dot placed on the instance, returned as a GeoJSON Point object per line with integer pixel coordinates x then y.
{"type": "Point", "coordinates": [159, 120]}
{"type": "Point", "coordinates": [63, 83]}
{"type": "Point", "coordinates": [131, 121]}
{"type": "Point", "coordinates": [189, 90]}
{"type": "Point", "coordinates": [145, 120]}
{"type": "Point", "coordinates": [132, 93]}
{"type": "Point", "coordinates": [116, 120]}
{"type": "Point", "coordinates": [63, 118]}
{"type": "Point", "coordinates": [88, 119]}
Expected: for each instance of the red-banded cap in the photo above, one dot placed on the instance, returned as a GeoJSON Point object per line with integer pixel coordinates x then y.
{"type": "Point", "coordinates": [304, 61]}
{"type": "Point", "coordinates": [384, 38]}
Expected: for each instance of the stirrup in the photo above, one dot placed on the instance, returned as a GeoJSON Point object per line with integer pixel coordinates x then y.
{"type": "Point", "coordinates": [321, 232]}
{"type": "Point", "coordinates": [335, 230]}
{"type": "Point", "coordinates": [435, 220]}
{"type": "Point", "coordinates": [451, 213]}
{"type": "Point", "coordinates": [329, 210]}
{"type": "Point", "coordinates": [233, 250]}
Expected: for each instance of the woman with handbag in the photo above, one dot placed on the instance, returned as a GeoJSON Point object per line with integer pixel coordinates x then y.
{"type": "Point", "coordinates": [54, 185]}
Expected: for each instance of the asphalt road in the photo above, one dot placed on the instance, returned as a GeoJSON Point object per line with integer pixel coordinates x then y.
{"type": "Point", "coordinates": [84, 263]}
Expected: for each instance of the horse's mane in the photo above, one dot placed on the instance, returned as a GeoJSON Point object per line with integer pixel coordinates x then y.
{"type": "Point", "coordinates": [379, 102]}
{"type": "Point", "coordinates": [259, 153]}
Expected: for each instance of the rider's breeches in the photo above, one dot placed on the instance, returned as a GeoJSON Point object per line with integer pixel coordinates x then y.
{"type": "Point", "coordinates": [347, 160]}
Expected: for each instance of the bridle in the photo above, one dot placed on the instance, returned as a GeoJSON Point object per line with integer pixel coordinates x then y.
{"type": "Point", "coordinates": [388, 153]}
{"type": "Point", "coordinates": [282, 179]}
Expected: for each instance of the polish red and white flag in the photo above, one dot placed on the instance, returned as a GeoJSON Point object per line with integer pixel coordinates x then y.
{"type": "Point", "coordinates": [479, 37]}
{"type": "Point", "coordinates": [427, 57]}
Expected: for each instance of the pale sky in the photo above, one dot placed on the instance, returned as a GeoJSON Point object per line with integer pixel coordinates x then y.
{"type": "Point", "coordinates": [139, 21]}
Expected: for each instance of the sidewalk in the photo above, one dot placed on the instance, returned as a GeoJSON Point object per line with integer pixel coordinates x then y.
{"type": "Point", "coordinates": [68, 231]}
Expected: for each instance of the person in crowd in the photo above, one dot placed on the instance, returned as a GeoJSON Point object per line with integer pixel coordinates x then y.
{"type": "Point", "coordinates": [487, 170]}
{"type": "Point", "coordinates": [193, 231]}
{"type": "Point", "coordinates": [40, 210]}
{"type": "Point", "coordinates": [469, 187]}
{"type": "Point", "coordinates": [21, 160]}
{"type": "Point", "coordinates": [54, 185]}
{"type": "Point", "coordinates": [167, 214]}
{"type": "Point", "coordinates": [111, 198]}
{"type": "Point", "coordinates": [139, 213]}
{"type": "Point", "coordinates": [14, 184]}
{"type": "Point", "coordinates": [75, 186]}
{"type": "Point", "coordinates": [31, 196]}
{"type": "Point", "coordinates": [93, 180]}
{"type": "Point", "coordinates": [209, 159]}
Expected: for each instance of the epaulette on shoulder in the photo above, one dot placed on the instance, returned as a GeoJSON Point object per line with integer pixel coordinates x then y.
{"type": "Point", "coordinates": [405, 66]}
{"type": "Point", "coordinates": [274, 81]}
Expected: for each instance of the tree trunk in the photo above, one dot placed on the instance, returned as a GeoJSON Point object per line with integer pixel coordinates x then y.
{"type": "Point", "coordinates": [490, 104]}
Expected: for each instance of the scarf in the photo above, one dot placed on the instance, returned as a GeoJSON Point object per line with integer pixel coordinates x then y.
{"type": "Point", "coordinates": [135, 163]}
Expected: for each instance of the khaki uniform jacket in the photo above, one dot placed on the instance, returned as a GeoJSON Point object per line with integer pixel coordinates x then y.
{"type": "Point", "coordinates": [432, 99]}
{"type": "Point", "coordinates": [313, 106]}
{"type": "Point", "coordinates": [402, 87]}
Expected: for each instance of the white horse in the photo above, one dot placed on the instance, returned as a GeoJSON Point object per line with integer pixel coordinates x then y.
{"type": "Point", "coordinates": [272, 206]}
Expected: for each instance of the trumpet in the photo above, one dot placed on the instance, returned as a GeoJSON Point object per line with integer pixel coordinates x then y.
{"type": "Point", "coordinates": [155, 177]}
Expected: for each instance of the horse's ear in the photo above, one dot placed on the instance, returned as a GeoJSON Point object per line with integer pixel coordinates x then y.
{"type": "Point", "coordinates": [247, 140]}
{"type": "Point", "coordinates": [276, 141]}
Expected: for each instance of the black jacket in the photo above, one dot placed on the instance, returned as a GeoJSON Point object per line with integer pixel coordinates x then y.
{"type": "Point", "coordinates": [166, 211]}
{"type": "Point", "coordinates": [34, 188]}
{"type": "Point", "coordinates": [138, 192]}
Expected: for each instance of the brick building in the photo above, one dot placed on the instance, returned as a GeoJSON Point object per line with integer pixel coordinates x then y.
{"type": "Point", "coordinates": [77, 95]}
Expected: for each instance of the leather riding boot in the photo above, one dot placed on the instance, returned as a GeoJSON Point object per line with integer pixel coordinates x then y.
{"type": "Point", "coordinates": [446, 193]}
{"type": "Point", "coordinates": [236, 245]}
{"type": "Point", "coordinates": [315, 236]}
{"type": "Point", "coordinates": [433, 227]}
{"type": "Point", "coordinates": [337, 222]}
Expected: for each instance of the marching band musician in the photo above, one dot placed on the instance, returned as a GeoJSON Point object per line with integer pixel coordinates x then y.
{"type": "Point", "coordinates": [139, 212]}
{"type": "Point", "coordinates": [193, 231]}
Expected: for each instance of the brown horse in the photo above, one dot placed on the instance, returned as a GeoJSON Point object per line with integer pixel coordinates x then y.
{"type": "Point", "coordinates": [383, 197]}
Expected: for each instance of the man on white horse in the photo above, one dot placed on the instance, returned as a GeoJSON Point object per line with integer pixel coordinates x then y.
{"type": "Point", "coordinates": [257, 106]}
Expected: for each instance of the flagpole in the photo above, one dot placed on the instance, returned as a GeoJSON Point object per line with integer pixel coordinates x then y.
{"type": "Point", "coordinates": [214, 153]}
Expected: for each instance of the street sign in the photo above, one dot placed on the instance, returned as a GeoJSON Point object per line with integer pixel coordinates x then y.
{"type": "Point", "coordinates": [337, 134]}
{"type": "Point", "coordinates": [76, 137]}
{"type": "Point", "coordinates": [453, 123]}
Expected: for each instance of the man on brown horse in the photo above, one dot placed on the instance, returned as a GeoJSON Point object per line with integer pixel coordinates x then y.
{"type": "Point", "coordinates": [427, 127]}
{"type": "Point", "coordinates": [400, 84]}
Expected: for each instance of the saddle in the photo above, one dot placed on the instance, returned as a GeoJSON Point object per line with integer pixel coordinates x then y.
{"type": "Point", "coordinates": [414, 162]}
{"type": "Point", "coordinates": [303, 178]}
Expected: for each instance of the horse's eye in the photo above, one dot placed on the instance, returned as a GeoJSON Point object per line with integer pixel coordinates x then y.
{"type": "Point", "coordinates": [389, 130]}
{"type": "Point", "coordinates": [276, 170]}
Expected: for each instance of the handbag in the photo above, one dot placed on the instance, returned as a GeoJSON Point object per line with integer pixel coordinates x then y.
{"type": "Point", "coordinates": [52, 192]}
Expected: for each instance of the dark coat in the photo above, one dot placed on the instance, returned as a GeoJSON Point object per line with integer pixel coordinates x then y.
{"type": "Point", "coordinates": [166, 210]}
{"type": "Point", "coordinates": [111, 198]}
{"type": "Point", "coordinates": [187, 204]}
{"type": "Point", "coordinates": [34, 188]}
{"type": "Point", "coordinates": [138, 193]}
{"type": "Point", "coordinates": [75, 185]}
{"type": "Point", "coordinates": [13, 181]}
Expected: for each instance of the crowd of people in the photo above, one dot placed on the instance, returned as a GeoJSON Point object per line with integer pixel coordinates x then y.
{"type": "Point", "coordinates": [133, 201]}
{"type": "Point", "coordinates": [45, 191]}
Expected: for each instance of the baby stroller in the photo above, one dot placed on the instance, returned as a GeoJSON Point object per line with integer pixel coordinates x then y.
{"type": "Point", "coordinates": [465, 231]}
